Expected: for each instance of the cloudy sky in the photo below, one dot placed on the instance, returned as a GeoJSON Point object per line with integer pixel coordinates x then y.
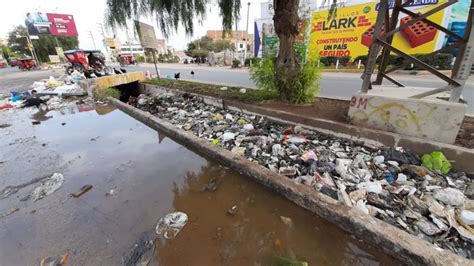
{"type": "Point", "coordinates": [89, 13]}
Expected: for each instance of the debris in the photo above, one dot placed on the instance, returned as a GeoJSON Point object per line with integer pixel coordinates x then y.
{"type": "Point", "coordinates": [171, 224]}
{"type": "Point", "coordinates": [282, 261]}
{"type": "Point", "coordinates": [436, 161]}
{"type": "Point", "coordinates": [48, 186]}
{"type": "Point", "coordinates": [141, 253]}
{"type": "Point", "coordinates": [390, 184]}
{"type": "Point", "coordinates": [450, 196]}
{"type": "Point", "coordinates": [35, 122]}
{"type": "Point", "coordinates": [242, 90]}
{"type": "Point", "coordinates": [81, 191]}
{"type": "Point", "coordinates": [112, 193]}
{"type": "Point", "coordinates": [287, 220]}
{"type": "Point", "coordinates": [467, 217]}
{"type": "Point", "coordinates": [55, 260]}
{"type": "Point", "coordinates": [211, 185]}
{"type": "Point", "coordinates": [232, 211]}
{"type": "Point", "coordinates": [2, 215]}
{"type": "Point", "coordinates": [223, 88]}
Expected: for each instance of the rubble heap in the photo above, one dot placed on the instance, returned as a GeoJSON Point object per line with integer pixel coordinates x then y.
{"type": "Point", "coordinates": [387, 183]}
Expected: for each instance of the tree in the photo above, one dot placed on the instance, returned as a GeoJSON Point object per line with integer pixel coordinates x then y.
{"type": "Point", "coordinates": [171, 13]}
{"type": "Point", "coordinates": [44, 46]}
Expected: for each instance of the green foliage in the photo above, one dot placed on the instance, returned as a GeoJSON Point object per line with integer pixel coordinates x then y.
{"type": "Point", "coordinates": [7, 52]}
{"type": "Point", "coordinates": [139, 58]}
{"type": "Point", "coordinates": [44, 46]}
{"type": "Point", "coordinates": [102, 94]}
{"type": "Point", "coordinates": [170, 14]}
{"type": "Point", "coordinates": [362, 58]}
{"type": "Point", "coordinates": [438, 61]}
{"type": "Point", "coordinates": [235, 63]}
{"type": "Point", "coordinates": [263, 74]}
{"type": "Point", "coordinates": [168, 58]}
{"type": "Point", "coordinates": [344, 59]}
{"type": "Point", "coordinates": [306, 86]}
{"type": "Point", "coordinates": [232, 93]}
{"type": "Point", "coordinates": [328, 60]}
{"type": "Point", "coordinates": [200, 48]}
{"type": "Point", "coordinates": [253, 60]}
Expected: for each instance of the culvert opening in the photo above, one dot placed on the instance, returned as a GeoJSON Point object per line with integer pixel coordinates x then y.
{"type": "Point", "coordinates": [128, 90]}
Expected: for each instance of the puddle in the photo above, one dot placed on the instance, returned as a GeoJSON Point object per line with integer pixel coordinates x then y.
{"type": "Point", "coordinates": [138, 176]}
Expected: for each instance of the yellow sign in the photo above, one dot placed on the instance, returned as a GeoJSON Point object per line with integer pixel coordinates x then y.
{"type": "Point", "coordinates": [350, 32]}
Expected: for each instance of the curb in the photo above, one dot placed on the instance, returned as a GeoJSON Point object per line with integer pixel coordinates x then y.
{"type": "Point", "coordinates": [393, 241]}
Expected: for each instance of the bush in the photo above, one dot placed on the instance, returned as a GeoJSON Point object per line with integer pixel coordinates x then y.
{"type": "Point", "coordinates": [438, 61]}
{"type": "Point", "coordinates": [235, 63]}
{"type": "Point", "coordinates": [362, 58]}
{"type": "Point", "coordinates": [328, 60]}
{"type": "Point", "coordinates": [139, 58]}
{"type": "Point", "coordinates": [263, 74]}
{"type": "Point", "coordinates": [254, 60]}
{"type": "Point", "coordinates": [344, 59]}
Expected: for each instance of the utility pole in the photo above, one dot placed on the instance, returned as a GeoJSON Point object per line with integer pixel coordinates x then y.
{"type": "Point", "coordinates": [129, 42]}
{"type": "Point", "coordinates": [101, 30]}
{"type": "Point", "coordinates": [92, 37]}
{"type": "Point", "coordinates": [247, 32]}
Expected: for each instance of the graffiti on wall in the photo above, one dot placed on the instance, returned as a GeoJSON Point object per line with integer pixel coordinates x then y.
{"type": "Point", "coordinates": [395, 115]}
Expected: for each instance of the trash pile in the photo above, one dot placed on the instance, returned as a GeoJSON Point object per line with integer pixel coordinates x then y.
{"type": "Point", "coordinates": [48, 92]}
{"type": "Point", "coordinates": [424, 197]}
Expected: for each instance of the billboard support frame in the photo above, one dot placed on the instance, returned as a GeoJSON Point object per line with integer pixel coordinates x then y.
{"type": "Point", "coordinates": [462, 65]}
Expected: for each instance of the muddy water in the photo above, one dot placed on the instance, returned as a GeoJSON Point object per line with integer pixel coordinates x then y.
{"type": "Point", "coordinates": [148, 175]}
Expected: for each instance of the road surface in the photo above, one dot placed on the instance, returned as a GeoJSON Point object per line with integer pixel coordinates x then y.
{"type": "Point", "coordinates": [333, 84]}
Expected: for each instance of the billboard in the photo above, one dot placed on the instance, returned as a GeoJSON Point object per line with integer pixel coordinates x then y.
{"type": "Point", "coordinates": [147, 36]}
{"type": "Point", "coordinates": [38, 23]}
{"type": "Point", "coordinates": [350, 32]}
{"type": "Point", "coordinates": [62, 25]}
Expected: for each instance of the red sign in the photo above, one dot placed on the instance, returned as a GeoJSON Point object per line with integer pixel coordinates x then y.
{"type": "Point", "coordinates": [62, 24]}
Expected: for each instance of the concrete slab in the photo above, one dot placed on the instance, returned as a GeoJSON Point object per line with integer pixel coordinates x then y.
{"type": "Point", "coordinates": [423, 118]}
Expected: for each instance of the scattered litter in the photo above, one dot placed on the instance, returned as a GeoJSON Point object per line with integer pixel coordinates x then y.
{"type": "Point", "coordinates": [242, 90]}
{"type": "Point", "coordinates": [287, 220]}
{"type": "Point", "coordinates": [467, 217]}
{"type": "Point", "coordinates": [82, 191]}
{"type": "Point", "coordinates": [48, 186]}
{"type": "Point", "coordinates": [35, 122]}
{"type": "Point", "coordinates": [223, 88]}
{"type": "Point", "coordinates": [2, 215]}
{"type": "Point", "coordinates": [436, 161]}
{"type": "Point", "coordinates": [55, 260]}
{"type": "Point", "coordinates": [232, 211]}
{"type": "Point", "coordinates": [141, 253]}
{"type": "Point", "coordinates": [388, 183]}
{"type": "Point", "coordinates": [211, 185]}
{"type": "Point", "coordinates": [283, 261]}
{"type": "Point", "coordinates": [170, 225]}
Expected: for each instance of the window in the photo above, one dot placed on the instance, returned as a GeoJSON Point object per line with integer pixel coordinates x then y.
{"type": "Point", "coordinates": [241, 45]}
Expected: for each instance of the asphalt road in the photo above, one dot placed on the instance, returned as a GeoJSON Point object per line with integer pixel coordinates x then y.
{"type": "Point", "coordinates": [333, 84]}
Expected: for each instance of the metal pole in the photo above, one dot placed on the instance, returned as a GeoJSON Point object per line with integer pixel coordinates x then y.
{"type": "Point", "coordinates": [247, 32]}
{"type": "Point", "coordinates": [154, 61]}
{"type": "Point", "coordinates": [464, 59]}
{"type": "Point", "coordinates": [374, 48]}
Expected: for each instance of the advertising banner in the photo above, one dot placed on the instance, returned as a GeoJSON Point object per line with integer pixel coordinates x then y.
{"type": "Point", "coordinates": [38, 23]}
{"type": "Point", "coordinates": [350, 32]}
{"type": "Point", "coordinates": [62, 25]}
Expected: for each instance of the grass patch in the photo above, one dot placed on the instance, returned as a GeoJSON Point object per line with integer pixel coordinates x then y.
{"type": "Point", "coordinates": [232, 93]}
{"type": "Point", "coordinates": [102, 94]}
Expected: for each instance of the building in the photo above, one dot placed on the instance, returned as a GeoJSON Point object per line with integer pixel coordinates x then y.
{"type": "Point", "coordinates": [161, 46]}
{"type": "Point", "coordinates": [3, 42]}
{"type": "Point", "coordinates": [243, 37]}
{"type": "Point", "coordinates": [137, 49]}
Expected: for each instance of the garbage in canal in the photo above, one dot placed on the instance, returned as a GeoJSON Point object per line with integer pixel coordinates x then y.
{"type": "Point", "coordinates": [211, 185]}
{"type": "Point", "coordinates": [391, 184]}
{"type": "Point", "coordinates": [10, 190]}
{"type": "Point", "coordinates": [47, 186]}
{"type": "Point", "coordinates": [232, 211]}
{"type": "Point", "coordinates": [436, 161]}
{"type": "Point", "coordinates": [287, 220]}
{"type": "Point", "coordinates": [170, 225]}
{"type": "Point", "coordinates": [2, 215]}
{"type": "Point", "coordinates": [283, 261]}
{"type": "Point", "coordinates": [141, 253]}
{"type": "Point", "coordinates": [59, 260]}
{"type": "Point", "coordinates": [81, 191]}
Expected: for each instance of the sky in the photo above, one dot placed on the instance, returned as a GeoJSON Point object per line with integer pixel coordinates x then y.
{"type": "Point", "coordinates": [89, 13]}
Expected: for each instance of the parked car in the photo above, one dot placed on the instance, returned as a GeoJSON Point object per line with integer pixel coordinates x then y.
{"type": "Point", "coordinates": [12, 61]}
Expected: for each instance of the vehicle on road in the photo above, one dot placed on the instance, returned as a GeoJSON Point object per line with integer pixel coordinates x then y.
{"type": "Point", "coordinates": [12, 61]}
{"type": "Point", "coordinates": [27, 64]}
{"type": "Point", "coordinates": [87, 61]}
{"type": "Point", "coordinates": [126, 60]}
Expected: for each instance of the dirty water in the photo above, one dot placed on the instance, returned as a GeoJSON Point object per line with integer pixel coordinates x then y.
{"type": "Point", "coordinates": [138, 176]}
